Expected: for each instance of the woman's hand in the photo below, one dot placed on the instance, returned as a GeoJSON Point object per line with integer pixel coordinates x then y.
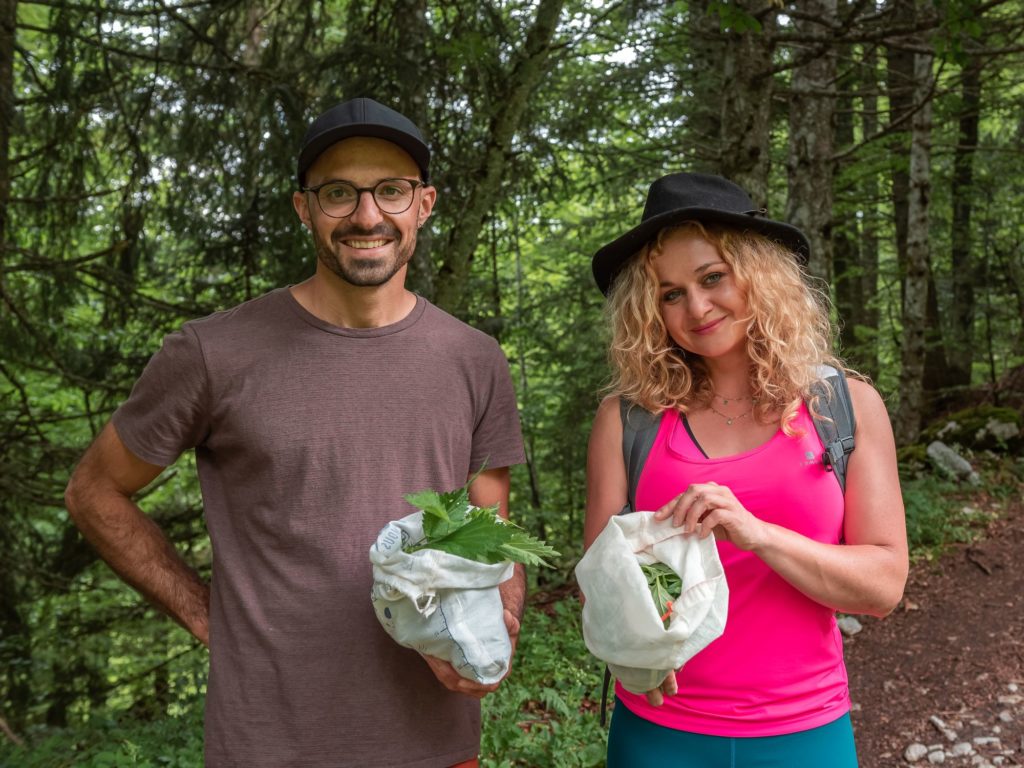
{"type": "Point", "coordinates": [707, 507]}
{"type": "Point", "coordinates": [668, 687]}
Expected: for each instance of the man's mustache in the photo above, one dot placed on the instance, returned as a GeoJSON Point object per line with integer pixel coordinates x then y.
{"type": "Point", "coordinates": [379, 231]}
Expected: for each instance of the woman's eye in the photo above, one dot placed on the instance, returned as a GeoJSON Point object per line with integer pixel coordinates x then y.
{"type": "Point", "coordinates": [713, 278]}
{"type": "Point", "coordinates": [672, 295]}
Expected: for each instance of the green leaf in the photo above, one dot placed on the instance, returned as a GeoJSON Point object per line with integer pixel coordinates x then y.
{"type": "Point", "coordinates": [523, 548]}
{"type": "Point", "coordinates": [430, 502]}
{"type": "Point", "coordinates": [452, 524]}
{"type": "Point", "coordinates": [665, 585]}
{"type": "Point", "coordinates": [479, 539]}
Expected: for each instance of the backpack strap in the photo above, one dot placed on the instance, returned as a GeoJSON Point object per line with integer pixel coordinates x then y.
{"type": "Point", "coordinates": [835, 423]}
{"type": "Point", "coordinates": [639, 428]}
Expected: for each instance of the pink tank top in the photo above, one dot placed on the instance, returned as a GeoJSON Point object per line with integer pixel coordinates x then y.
{"type": "Point", "coordinates": [778, 667]}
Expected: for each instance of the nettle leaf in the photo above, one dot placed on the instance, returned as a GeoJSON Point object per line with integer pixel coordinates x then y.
{"type": "Point", "coordinates": [523, 548]}
{"type": "Point", "coordinates": [452, 524]}
{"type": "Point", "coordinates": [430, 502]}
{"type": "Point", "coordinates": [479, 539]}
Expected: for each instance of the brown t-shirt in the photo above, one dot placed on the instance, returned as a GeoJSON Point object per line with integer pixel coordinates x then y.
{"type": "Point", "coordinates": [306, 438]}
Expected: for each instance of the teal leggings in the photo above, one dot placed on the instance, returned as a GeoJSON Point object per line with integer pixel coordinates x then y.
{"type": "Point", "coordinates": [637, 743]}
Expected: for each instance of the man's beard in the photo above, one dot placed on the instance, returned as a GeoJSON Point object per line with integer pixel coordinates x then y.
{"type": "Point", "coordinates": [364, 272]}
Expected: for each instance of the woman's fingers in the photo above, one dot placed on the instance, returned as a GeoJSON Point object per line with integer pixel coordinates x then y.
{"type": "Point", "coordinates": [668, 687]}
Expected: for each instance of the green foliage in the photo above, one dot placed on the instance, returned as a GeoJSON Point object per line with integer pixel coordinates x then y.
{"type": "Point", "coordinates": [734, 18]}
{"type": "Point", "coordinates": [171, 742]}
{"type": "Point", "coordinates": [451, 524]}
{"type": "Point", "coordinates": [544, 711]}
{"type": "Point", "coordinates": [665, 586]}
{"type": "Point", "coordinates": [933, 519]}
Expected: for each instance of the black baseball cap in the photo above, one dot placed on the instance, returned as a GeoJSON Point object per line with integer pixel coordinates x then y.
{"type": "Point", "coordinates": [362, 117]}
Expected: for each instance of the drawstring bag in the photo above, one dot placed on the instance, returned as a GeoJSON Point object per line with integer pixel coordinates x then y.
{"type": "Point", "coordinates": [621, 625]}
{"type": "Point", "coordinates": [441, 604]}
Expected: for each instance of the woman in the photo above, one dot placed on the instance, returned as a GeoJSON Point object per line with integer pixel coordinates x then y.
{"type": "Point", "coordinates": [716, 329]}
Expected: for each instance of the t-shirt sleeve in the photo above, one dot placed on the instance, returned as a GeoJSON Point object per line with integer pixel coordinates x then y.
{"type": "Point", "coordinates": [166, 413]}
{"type": "Point", "coordinates": [497, 438]}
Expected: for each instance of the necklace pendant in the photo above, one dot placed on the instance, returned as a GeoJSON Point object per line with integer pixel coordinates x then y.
{"type": "Point", "coordinates": [728, 422]}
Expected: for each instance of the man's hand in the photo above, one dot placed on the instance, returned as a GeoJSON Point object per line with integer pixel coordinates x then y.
{"type": "Point", "coordinates": [453, 681]}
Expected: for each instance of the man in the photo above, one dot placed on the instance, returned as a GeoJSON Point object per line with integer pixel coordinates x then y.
{"type": "Point", "coordinates": [312, 410]}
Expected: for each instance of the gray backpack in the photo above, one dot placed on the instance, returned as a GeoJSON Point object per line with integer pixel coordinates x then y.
{"type": "Point", "coordinates": [835, 425]}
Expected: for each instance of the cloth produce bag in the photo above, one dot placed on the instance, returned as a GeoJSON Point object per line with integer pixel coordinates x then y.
{"type": "Point", "coordinates": [441, 604]}
{"type": "Point", "coordinates": [621, 625]}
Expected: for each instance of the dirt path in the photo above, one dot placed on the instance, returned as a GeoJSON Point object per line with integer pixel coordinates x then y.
{"type": "Point", "coordinates": [946, 670]}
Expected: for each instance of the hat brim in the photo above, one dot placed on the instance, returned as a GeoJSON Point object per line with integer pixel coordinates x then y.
{"type": "Point", "coordinates": [610, 260]}
{"type": "Point", "coordinates": [316, 146]}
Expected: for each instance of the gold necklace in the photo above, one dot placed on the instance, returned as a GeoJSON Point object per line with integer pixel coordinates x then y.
{"type": "Point", "coordinates": [725, 400]}
{"type": "Point", "coordinates": [730, 419]}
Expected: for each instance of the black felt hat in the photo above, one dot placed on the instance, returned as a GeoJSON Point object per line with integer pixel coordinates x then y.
{"type": "Point", "coordinates": [362, 117]}
{"type": "Point", "coordinates": [681, 197]}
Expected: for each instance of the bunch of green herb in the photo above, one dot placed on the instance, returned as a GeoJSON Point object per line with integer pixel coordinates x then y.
{"type": "Point", "coordinates": [451, 524]}
{"type": "Point", "coordinates": [665, 586]}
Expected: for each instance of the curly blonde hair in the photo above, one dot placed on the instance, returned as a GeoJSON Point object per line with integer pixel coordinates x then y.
{"type": "Point", "coordinates": [789, 332]}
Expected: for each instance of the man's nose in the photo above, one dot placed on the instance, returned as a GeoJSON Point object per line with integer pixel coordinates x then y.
{"type": "Point", "coordinates": [367, 214]}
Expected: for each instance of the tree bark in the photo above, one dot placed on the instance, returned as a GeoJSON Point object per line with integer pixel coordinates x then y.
{"type": "Point", "coordinates": [900, 90]}
{"type": "Point", "coordinates": [747, 106]}
{"type": "Point", "coordinates": [960, 349]}
{"type": "Point", "coordinates": [867, 313]}
{"type": "Point", "coordinates": [915, 291]}
{"type": "Point", "coordinates": [8, 20]}
{"type": "Point", "coordinates": [526, 75]}
{"type": "Point", "coordinates": [413, 34]}
{"type": "Point", "coordinates": [701, 74]}
{"type": "Point", "coordinates": [848, 286]}
{"type": "Point", "coordinates": [812, 140]}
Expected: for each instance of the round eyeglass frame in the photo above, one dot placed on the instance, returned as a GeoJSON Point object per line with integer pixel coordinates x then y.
{"type": "Point", "coordinates": [414, 183]}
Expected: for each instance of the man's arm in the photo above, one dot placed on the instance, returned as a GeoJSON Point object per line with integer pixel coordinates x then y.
{"type": "Point", "coordinates": [99, 500]}
{"type": "Point", "coordinates": [490, 487]}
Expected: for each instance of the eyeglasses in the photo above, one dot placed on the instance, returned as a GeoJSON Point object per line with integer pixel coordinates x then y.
{"type": "Point", "coordinates": [339, 199]}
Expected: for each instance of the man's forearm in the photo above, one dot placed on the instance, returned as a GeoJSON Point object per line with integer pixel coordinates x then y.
{"type": "Point", "coordinates": [138, 551]}
{"type": "Point", "coordinates": [513, 594]}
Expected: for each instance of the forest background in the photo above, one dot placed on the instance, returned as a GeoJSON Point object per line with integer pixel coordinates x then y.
{"type": "Point", "coordinates": [147, 152]}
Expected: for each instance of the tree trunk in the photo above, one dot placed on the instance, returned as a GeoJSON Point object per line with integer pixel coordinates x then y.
{"type": "Point", "coordinates": [960, 350]}
{"type": "Point", "coordinates": [900, 87]}
{"type": "Point", "coordinates": [700, 74]}
{"type": "Point", "coordinates": [848, 286]}
{"type": "Point", "coordinates": [866, 358]}
{"type": "Point", "coordinates": [811, 140]}
{"type": "Point", "coordinates": [915, 290]}
{"type": "Point", "coordinates": [8, 20]}
{"type": "Point", "coordinates": [747, 106]}
{"type": "Point", "coordinates": [530, 67]}
{"type": "Point", "coordinates": [413, 33]}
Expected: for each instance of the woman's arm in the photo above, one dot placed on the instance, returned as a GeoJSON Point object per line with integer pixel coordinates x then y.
{"type": "Point", "coordinates": [868, 572]}
{"type": "Point", "coordinates": [606, 471]}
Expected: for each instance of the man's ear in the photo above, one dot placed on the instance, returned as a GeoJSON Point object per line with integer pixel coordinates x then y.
{"type": "Point", "coordinates": [301, 205]}
{"type": "Point", "coordinates": [427, 200]}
